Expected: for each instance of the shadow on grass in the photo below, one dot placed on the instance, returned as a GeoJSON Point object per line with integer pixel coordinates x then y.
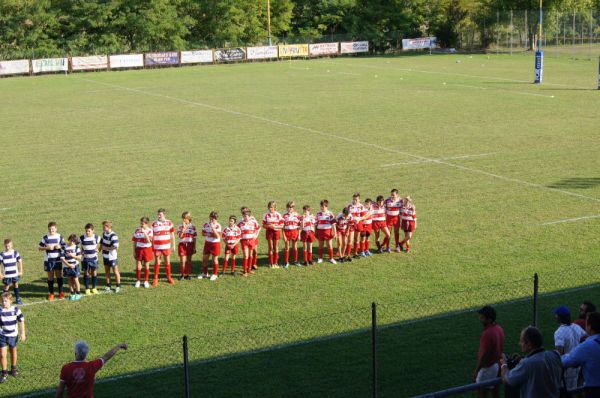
{"type": "Point", "coordinates": [576, 183]}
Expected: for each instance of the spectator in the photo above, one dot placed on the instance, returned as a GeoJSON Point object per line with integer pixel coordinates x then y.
{"type": "Point", "coordinates": [538, 375]}
{"type": "Point", "coordinates": [566, 338]}
{"type": "Point", "coordinates": [79, 376]}
{"type": "Point", "coordinates": [587, 355]}
{"type": "Point", "coordinates": [491, 345]}
{"type": "Point", "coordinates": [585, 308]}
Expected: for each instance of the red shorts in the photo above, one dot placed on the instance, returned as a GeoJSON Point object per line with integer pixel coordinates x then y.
{"type": "Point", "coordinates": [367, 229]}
{"type": "Point", "coordinates": [272, 234]}
{"type": "Point", "coordinates": [379, 225]}
{"type": "Point", "coordinates": [186, 249]}
{"type": "Point", "coordinates": [232, 250]}
{"type": "Point", "coordinates": [359, 227]}
{"type": "Point", "coordinates": [249, 243]}
{"type": "Point", "coordinates": [307, 236]}
{"type": "Point", "coordinates": [324, 234]}
{"type": "Point", "coordinates": [213, 248]}
{"type": "Point", "coordinates": [342, 234]}
{"type": "Point", "coordinates": [408, 226]}
{"type": "Point", "coordinates": [164, 252]}
{"type": "Point", "coordinates": [392, 221]}
{"type": "Point", "coordinates": [144, 254]}
{"type": "Point", "coordinates": [291, 234]}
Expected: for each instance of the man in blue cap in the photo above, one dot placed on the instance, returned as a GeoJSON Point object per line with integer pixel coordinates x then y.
{"type": "Point", "coordinates": [587, 355]}
{"type": "Point", "coordinates": [566, 338]}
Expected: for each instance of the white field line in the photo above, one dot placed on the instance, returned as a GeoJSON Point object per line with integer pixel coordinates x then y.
{"type": "Point", "coordinates": [60, 301]}
{"type": "Point", "coordinates": [4, 208]}
{"type": "Point", "coordinates": [571, 220]}
{"type": "Point", "coordinates": [343, 138]}
{"type": "Point", "coordinates": [446, 158]}
{"type": "Point", "coordinates": [110, 89]}
{"type": "Point", "coordinates": [349, 74]}
{"type": "Point", "coordinates": [500, 89]}
{"type": "Point", "coordinates": [313, 341]}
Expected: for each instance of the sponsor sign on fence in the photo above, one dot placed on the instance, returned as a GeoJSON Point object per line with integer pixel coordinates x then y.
{"type": "Point", "coordinates": [161, 58]}
{"type": "Point", "coordinates": [230, 54]}
{"type": "Point", "coordinates": [419, 43]}
{"type": "Point", "coordinates": [89, 63]}
{"type": "Point", "coordinates": [317, 49]}
{"type": "Point", "coordinates": [50, 65]}
{"type": "Point", "coordinates": [264, 52]}
{"type": "Point", "coordinates": [352, 47]}
{"type": "Point", "coordinates": [196, 57]}
{"type": "Point", "coordinates": [126, 61]}
{"type": "Point", "coordinates": [14, 67]}
{"type": "Point", "coordinates": [293, 50]}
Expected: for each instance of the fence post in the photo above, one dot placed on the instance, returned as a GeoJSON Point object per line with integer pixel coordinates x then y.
{"type": "Point", "coordinates": [535, 298]}
{"type": "Point", "coordinates": [186, 367]}
{"type": "Point", "coordinates": [374, 347]}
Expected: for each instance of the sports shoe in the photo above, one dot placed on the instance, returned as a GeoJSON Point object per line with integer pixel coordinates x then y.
{"type": "Point", "coordinates": [214, 277]}
{"type": "Point", "coordinates": [76, 297]}
{"type": "Point", "coordinates": [51, 297]}
{"type": "Point", "coordinates": [117, 289]}
{"type": "Point", "coordinates": [88, 292]}
{"type": "Point", "coordinates": [275, 266]}
{"type": "Point", "coordinates": [221, 274]}
{"type": "Point", "coordinates": [297, 264]}
{"type": "Point", "coordinates": [61, 295]}
{"type": "Point", "coordinates": [398, 249]}
{"type": "Point", "coordinates": [19, 301]}
{"type": "Point", "coordinates": [407, 250]}
{"type": "Point", "coordinates": [3, 377]}
{"type": "Point", "coordinates": [286, 266]}
{"type": "Point", "coordinates": [363, 254]}
{"type": "Point", "coordinates": [319, 261]}
{"type": "Point", "coordinates": [137, 284]}
{"type": "Point", "coordinates": [180, 277]}
{"type": "Point", "coordinates": [368, 253]}
{"type": "Point", "coordinates": [245, 274]}
{"type": "Point", "coordinates": [188, 278]}
{"type": "Point", "coordinates": [171, 281]}
{"type": "Point", "coordinates": [311, 263]}
{"type": "Point", "coordinates": [203, 276]}
{"type": "Point", "coordinates": [332, 261]}
{"type": "Point", "coordinates": [155, 283]}
{"type": "Point", "coordinates": [380, 250]}
{"type": "Point", "coordinates": [106, 289]}
{"type": "Point", "coordinates": [388, 250]}
{"type": "Point", "coordinates": [146, 285]}
{"type": "Point", "coordinates": [348, 259]}
{"type": "Point", "coordinates": [233, 273]}
{"type": "Point", "coordinates": [14, 372]}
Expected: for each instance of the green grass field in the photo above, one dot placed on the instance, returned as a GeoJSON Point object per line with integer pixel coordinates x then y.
{"type": "Point", "coordinates": [499, 170]}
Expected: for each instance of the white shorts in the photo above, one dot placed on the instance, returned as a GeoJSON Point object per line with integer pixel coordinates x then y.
{"type": "Point", "coordinates": [485, 374]}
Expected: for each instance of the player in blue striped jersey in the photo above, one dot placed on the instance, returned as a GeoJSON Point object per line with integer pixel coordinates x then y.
{"type": "Point", "coordinates": [13, 268]}
{"type": "Point", "coordinates": [71, 256]}
{"type": "Point", "coordinates": [52, 245]}
{"type": "Point", "coordinates": [90, 245]}
{"type": "Point", "coordinates": [110, 245]}
{"type": "Point", "coordinates": [9, 318]}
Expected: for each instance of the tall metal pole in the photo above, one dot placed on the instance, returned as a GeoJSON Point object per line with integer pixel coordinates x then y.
{"type": "Point", "coordinates": [374, 348]}
{"type": "Point", "coordinates": [269, 20]}
{"type": "Point", "coordinates": [539, 54]}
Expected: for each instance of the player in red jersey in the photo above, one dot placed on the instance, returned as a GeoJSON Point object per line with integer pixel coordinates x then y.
{"type": "Point", "coordinates": [325, 230]}
{"type": "Point", "coordinates": [392, 218]}
{"type": "Point", "coordinates": [379, 223]}
{"type": "Point", "coordinates": [163, 243]}
{"type": "Point", "coordinates": [341, 225]}
{"type": "Point", "coordinates": [254, 252]}
{"type": "Point", "coordinates": [273, 223]}
{"type": "Point", "coordinates": [291, 225]}
{"type": "Point", "coordinates": [250, 230]}
{"type": "Point", "coordinates": [187, 234]}
{"type": "Point", "coordinates": [142, 250]}
{"type": "Point", "coordinates": [212, 245]}
{"type": "Point", "coordinates": [408, 214]}
{"type": "Point", "coordinates": [307, 236]}
{"type": "Point", "coordinates": [357, 211]}
{"type": "Point", "coordinates": [365, 235]}
{"type": "Point", "coordinates": [231, 235]}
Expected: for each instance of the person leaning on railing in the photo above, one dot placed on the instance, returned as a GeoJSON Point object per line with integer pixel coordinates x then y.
{"type": "Point", "coordinates": [587, 355]}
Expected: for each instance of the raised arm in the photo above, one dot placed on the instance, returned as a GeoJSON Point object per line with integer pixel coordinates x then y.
{"type": "Point", "coordinates": [111, 353]}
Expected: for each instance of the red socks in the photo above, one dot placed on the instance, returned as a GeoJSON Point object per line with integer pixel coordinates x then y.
{"type": "Point", "coordinates": [216, 267]}
{"type": "Point", "coordinates": [146, 274]}
{"type": "Point", "coordinates": [286, 256]}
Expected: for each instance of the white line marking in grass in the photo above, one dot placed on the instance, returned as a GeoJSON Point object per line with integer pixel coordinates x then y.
{"type": "Point", "coordinates": [343, 138]}
{"type": "Point", "coordinates": [4, 208]}
{"type": "Point", "coordinates": [446, 158]}
{"type": "Point", "coordinates": [572, 220]}
{"type": "Point", "coordinates": [349, 74]}
{"type": "Point", "coordinates": [59, 300]}
{"type": "Point", "coordinates": [501, 89]}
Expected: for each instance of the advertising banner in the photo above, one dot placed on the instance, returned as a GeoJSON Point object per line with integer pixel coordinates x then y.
{"type": "Point", "coordinates": [126, 61]}
{"type": "Point", "coordinates": [419, 43]}
{"type": "Point", "coordinates": [89, 63]}
{"type": "Point", "coordinates": [323, 49]}
{"type": "Point", "coordinates": [264, 52]}
{"type": "Point", "coordinates": [230, 54]}
{"type": "Point", "coordinates": [353, 47]}
{"type": "Point", "coordinates": [293, 50]}
{"type": "Point", "coordinates": [196, 57]}
{"type": "Point", "coordinates": [14, 67]}
{"type": "Point", "coordinates": [50, 65]}
{"type": "Point", "coordinates": [161, 58]}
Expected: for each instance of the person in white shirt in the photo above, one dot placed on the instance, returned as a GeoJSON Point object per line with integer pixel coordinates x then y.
{"type": "Point", "coordinates": [566, 338]}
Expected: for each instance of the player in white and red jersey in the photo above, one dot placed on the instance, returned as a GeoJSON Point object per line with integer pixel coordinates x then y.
{"type": "Point", "coordinates": [187, 234]}
{"type": "Point", "coordinates": [325, 230]}
{"type": "Point", "coordinates": [342, 222]}
{"type": "Point", "coordinates": [273, 223]}
{"type": "Point", "coordinates": [291, 227]}
{"type": "Point", "coordinates": [212, 245]}
{"type": "Point", "coordinates": [254, 252]}
{"type": "Point", "coordinates": [142, 250]}
{"type": "Point", "coordinates": [408, 215]}
{"type": "Point", "coordinates": [250, 229]}
{"type": "Point", "coordinates": [307, 236]}
{"type": "Point", "coordinates": [392, 218]}
{"type": "Point", "coordinates": [379, 223]}
{"type": "Point", "coordinates": [365, 235]}
{"type": "Point", "coordinates": [357, 211]}
{"type": "Point", "coordinates": [231, 235]}
{"type": "Point", "coordinates": [162, 243]}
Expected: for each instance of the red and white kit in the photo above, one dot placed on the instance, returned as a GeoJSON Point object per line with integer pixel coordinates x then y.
{"type": "Point", "coordinates": [291, 225]}
{"type": "Point", "coordinates": [162, 237]}
{"type": "Point", "coordinates": [212, 242]}
{"type": "Point", "coordinates": [409, 218]}
{"type": "Point", "coordinates": [392, 211]}
{"type": "Point", "coordinates": [231, 235]}
{"type": "Point", "coordinates": [325, 220]}
{"type": "Point", "coordinates": [271, 220]}
{"type": "Point", "coordinates": [187, 239]}
{"type": "Point", "coordinates": [367, 221]}
{"type": "Point", "coordinates": [356, 212]}
{"type": "Point", "coordinates": [249, 230]}
{"type": "Point", "coordinates": [378, 212]}
{"type": "Point", "coordinates": [341, 224]}
{"type": "Point", "coordinates": [308, 228]}
{"type": "Point", "coordinates": [143, 248]}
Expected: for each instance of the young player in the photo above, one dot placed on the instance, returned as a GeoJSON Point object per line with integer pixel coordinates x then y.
{"type": "Point", "coordinates": [365, 235]}
{"type": "Point", "coordinates": [325, 230]}
{"type": "Point", "coordinates": [13, 269]}
{"type": "Point", "coordinates": [71, 256]}
{"type": "Point", "coordinates": [408, 215]}
{"type": "Point", "coordinates": [90, 245]}
{"type": "Point", "coordinates": [52, 244]}
{"type": "Point", "coordinates": [250, 230]}
{"type": "Point", "coordinates": [142, 251]}
{"type": "Point", "coordinates": [254, 252]}
{"type": "Point", "coordinates": [307, 236]}
{"type": "Point", "coordinates": [379, 223]}
{"type": "Point", "coordinates": [231, 235]}
{"type": "Point", "coordinates": [212, 245]}
{"type": "Point", "coordinates": [357, 211]}
{"type": "Point", "coordinates": [9, 318]}
{"type": "Point", "coordinates": [392, 219]}
{"type": "Point", "coordinates": [273, 223]}
{"type": "Point", "coordinates": [291, 224]}
{"type": "Point", "coordinates": [164, 240]}
{"type": "Point", "coordinates": [110, 245]}
{"type": "Point", "coordinates": [187, 244]}
{"type": "Point", "coordinates": [342, 222]}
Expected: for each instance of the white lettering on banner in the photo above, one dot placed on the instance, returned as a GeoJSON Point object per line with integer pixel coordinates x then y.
{"type": "Point", "coordinates": [126, 61]}
{"type": "Point", "coordinates": [419, 43]}
{"type": "Point", "coordinates": [323, 48]}
{"type": "Point", "coordinates": [50, 65]}
{"type": "Point", "coordinates": [14, 67]}
{"type": "Point", "coordinates": [196, 57]}
{"type": "Point", "coordinates": [352, 47]}
{"type": "Point", "coordinates": [261, 52]}
{"type": "Point", "coordinates": [89, 63]}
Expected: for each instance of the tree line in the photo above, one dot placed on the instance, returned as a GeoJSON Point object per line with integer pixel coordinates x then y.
{"type": "Point", "coordinates": [38, 28]}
